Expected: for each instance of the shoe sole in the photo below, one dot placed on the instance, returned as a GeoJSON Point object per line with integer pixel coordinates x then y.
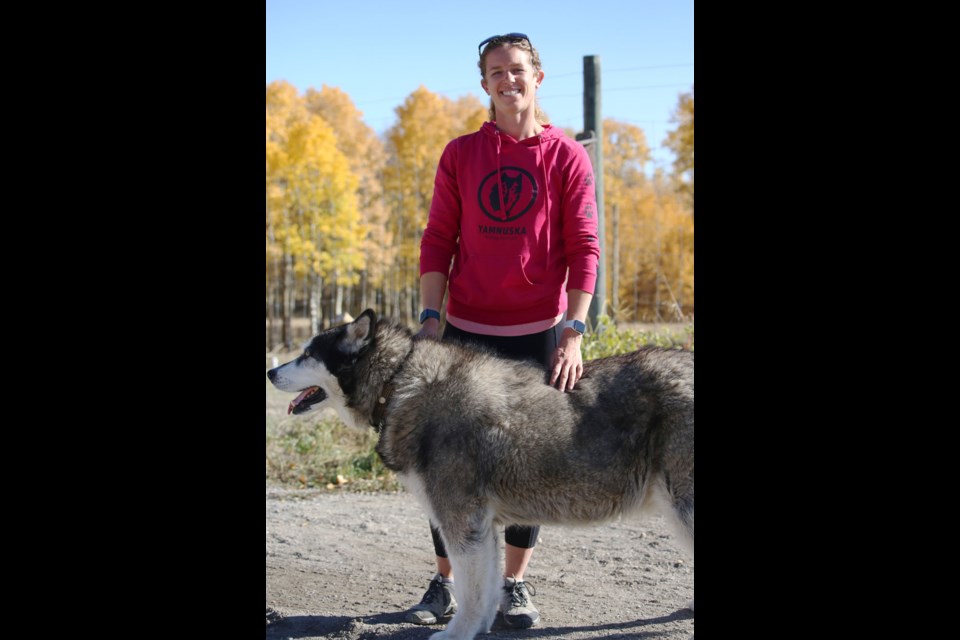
{"type": "Point", "coordinates": [426, 622]}
{"type": "Point", "coordinates": [522, 623]}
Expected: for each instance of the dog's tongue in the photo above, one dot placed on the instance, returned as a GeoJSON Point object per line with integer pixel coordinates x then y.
{"type": "Point", "coordinates": [299, 398]}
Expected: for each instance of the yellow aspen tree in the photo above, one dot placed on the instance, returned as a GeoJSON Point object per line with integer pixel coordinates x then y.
{"type": "Point", "coordinates": [367, 157]}
{"type": "Point", "coordinates": [680, 141]}
{"type": "Point", "coordinates": [676, 253]}
{"type": "Point", "coordinates": [324, 204]}
{"type": "Point", "coordinates": [625, 155]}
{"type": "Point", "coordinates": [638, 251]}
{"type": "Point", "coordinates": [283, 107]}
{"type": "Point", "coordinates": [313, 217]}
{"type": "Point", "coordinates": [426, 122]}
{"type": "Point", "coordinates": [468, 114]}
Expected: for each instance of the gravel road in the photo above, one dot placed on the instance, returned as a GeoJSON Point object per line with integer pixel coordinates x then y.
{"type": "Point", "coordinates": [346, 565]}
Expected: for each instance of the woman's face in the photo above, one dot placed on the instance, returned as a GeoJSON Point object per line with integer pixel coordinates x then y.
{"type": "Point", "coordinates": [511, 80]}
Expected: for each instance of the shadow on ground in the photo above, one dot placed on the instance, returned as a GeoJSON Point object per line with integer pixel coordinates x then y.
{"type": "Point", "coordinates": [383, 626]}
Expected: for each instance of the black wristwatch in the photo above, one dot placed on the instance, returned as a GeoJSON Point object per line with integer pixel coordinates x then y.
{"type": "Point", "coordinates": [429, 313]}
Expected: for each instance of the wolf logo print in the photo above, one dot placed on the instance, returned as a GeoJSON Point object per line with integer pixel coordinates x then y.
{"type": "Point", "coordinates": [511, 197]}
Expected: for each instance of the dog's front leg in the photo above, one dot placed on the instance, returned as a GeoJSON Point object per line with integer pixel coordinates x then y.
{"type": "Point", "coordinates": [474, 554]}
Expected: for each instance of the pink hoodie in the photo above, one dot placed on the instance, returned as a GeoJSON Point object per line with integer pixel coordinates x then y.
{"type": "Point", "coordinates": [511, 260]}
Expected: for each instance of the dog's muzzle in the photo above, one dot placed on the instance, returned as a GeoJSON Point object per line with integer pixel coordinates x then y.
{"type": "Point", "coordinates": [307, 398]}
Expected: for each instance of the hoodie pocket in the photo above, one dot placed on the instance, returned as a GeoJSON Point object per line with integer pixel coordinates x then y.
{"type": "Point", "coordinates": [499, 283]}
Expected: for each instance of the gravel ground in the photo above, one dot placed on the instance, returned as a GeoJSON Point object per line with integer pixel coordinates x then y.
{"type": "Point", "coordinates": [346, 565]}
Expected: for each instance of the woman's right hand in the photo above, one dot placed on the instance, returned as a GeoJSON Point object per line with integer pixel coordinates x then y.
{"type": "Point", "coordinates": [430, 329]}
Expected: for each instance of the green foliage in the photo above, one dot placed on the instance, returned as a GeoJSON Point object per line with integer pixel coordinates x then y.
{"type": "Point", "coordinates": [322, 452]}
{"type": "Point", "coordinates": [606, 339]}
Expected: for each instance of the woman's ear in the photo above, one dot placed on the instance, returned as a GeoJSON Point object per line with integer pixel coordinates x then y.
{"type": "Point", "coordinates": [483, 84]}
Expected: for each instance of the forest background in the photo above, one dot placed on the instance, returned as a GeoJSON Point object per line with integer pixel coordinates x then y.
{"type": "Point", "coordinates": [345, 209]}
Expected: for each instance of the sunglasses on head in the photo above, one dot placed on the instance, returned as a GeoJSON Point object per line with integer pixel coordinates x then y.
{"type": "Point", "coordinates": [506, 37]}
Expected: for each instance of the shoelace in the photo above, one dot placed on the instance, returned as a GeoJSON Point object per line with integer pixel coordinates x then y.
{"type": "Point", "coordinates": [432, 592]}
{"type": "Point", "coordinates": [520, 594]}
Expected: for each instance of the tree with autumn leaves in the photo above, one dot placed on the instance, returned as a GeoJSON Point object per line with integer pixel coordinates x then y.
{"type": "Point", "coordinates": [649, 231]}
{"type": "Point", "coordinates": [680, 141]}
{"type": "Point", "coordinates": [345, 210]}
{"type": "Point", "coordinates": [425, 124]}
{"type": "Point", "coordinates": [314, 229]}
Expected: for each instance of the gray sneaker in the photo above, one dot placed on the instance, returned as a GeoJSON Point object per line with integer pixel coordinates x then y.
{"type": "Point", "coordinates": [438, 604]}
{"type": "Point", "coordinates": [518, 610]}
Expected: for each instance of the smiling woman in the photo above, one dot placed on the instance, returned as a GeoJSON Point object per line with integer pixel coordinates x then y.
{"type": "Point", "coordinates": [513, 212]}
{"type": "Point", "coordinates": [510, 68]}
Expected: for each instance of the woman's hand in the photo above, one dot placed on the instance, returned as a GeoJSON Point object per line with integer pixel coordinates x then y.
{"type": "Point", "coordinates": [430, 329]}
{"type": "Point", "coordinates": [566, 363]}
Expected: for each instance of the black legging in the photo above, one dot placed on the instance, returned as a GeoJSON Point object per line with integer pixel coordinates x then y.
{"type": "Point", "coordinates": [537, 346]}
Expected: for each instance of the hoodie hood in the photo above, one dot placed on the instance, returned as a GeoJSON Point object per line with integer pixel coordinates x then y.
{"type": "Point", "coordinates": [549, 132]}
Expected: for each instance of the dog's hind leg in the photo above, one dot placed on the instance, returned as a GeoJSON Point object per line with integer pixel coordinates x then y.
{"type": "Point", "coordinates": [681, 521]}
{"type": "Point", "coordinates": [473, 553]}
{"type": "Point", "coordinates": [680, 517]}
{"type": "Point", "coordinates": [684, 516]}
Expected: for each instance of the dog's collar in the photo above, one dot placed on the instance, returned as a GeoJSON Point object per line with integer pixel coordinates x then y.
{"type": "Point", "coordinates": [380, 410]}
{"type": "Point", "coordinates": [379, 418]}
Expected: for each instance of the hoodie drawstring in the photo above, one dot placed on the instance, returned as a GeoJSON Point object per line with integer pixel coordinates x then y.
{"type": "Point", "coordinates": [544, 187]}
{"type": "Point", "coordinates": [546, 190]}
{"type": "Point", "coordinates": [500, 195]}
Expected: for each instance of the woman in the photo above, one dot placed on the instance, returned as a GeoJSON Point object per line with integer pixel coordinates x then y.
{"type": "Point", "coordinates": [514, 209]}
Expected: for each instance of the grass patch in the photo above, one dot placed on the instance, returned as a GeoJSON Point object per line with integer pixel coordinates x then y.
{"type": "Point", "coordinates": [320, 452]}
{"type": "Point", "coordinates": [606, 339]}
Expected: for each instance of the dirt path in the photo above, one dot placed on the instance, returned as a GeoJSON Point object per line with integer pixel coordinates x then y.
{"type": "Point", "coordinates": [346, 565]}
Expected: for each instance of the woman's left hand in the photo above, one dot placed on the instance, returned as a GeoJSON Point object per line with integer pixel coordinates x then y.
{"type": "Point", "coordinates": [566, 363]}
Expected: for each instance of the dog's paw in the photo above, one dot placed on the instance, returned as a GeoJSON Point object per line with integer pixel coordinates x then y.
{"type": "Point", "coordinates": [454, 634]}
{"type": "Point", "coordinates": [690, 606]}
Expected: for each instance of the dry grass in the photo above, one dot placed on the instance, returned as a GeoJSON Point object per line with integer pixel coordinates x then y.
{"type": "Point", "coordinates": [319, 451]}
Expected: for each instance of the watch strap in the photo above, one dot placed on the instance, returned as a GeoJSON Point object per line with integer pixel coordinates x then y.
{"type": "Point", "coordinates": [429, 313]}
{"type": "Point", "coordinates": [576, 325]}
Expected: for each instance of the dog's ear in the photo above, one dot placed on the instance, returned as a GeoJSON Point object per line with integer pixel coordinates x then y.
{"type": "Point", "coordinates": [360, 331]}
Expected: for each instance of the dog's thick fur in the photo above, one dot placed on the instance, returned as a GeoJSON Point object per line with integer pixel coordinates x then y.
{"type": "Point", "coordinates": [481, 440]}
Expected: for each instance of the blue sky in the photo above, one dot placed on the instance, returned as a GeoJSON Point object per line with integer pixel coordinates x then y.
{"type": "Point", "coordinates": [380, 51]}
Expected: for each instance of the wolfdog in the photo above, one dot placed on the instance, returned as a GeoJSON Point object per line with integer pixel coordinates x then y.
{"type": "Point", "coordinates": [469, 433]}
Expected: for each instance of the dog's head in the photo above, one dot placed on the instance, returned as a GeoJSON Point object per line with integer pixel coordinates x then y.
{"type": "Point", "coordinates": [318, 372]}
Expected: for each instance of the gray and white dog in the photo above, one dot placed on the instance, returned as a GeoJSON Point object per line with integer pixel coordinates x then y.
{"type": "Point", "coordinates": [481, 440]}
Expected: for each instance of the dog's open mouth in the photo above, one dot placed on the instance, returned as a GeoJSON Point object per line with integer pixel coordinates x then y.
{"type": "Point", "coordinates": [307, 398]}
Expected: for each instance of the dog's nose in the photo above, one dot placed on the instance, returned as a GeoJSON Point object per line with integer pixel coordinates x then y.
{"type": "Point", "coordinates": [272, 374]}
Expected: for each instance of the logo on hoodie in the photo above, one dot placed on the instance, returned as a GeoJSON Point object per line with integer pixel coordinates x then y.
{"type": "Point", "coordinates": [510, 197]}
